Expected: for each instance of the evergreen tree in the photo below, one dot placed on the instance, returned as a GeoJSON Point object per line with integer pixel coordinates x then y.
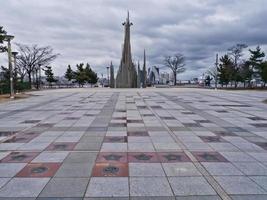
{"type": "Point", "coordinates": [69, 74]}
{"type": "Point", "coordinates": [2, 37]}
{"type": "Point", "coordinates": [225, 70]}
{"type": "Point", "coordinates": [49, 75]}
{"type": "Point", "coordinates": [245, 73]}
{"type": "Point", "coordinates": [263, 72]}
{"type": "Point", "coordinates": [256, 56]}
{"type": "Point", "coordinates": [255, 60]}
{"type": "Point", "coordinates": [91, 75]}
{"type": "Point", "coordinates": [80, 75]}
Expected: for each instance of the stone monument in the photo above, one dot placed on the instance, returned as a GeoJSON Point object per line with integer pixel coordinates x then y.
{"type": "Point", "coordinates": [127, 75]}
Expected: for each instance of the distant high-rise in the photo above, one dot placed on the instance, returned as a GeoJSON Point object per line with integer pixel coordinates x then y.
{"type": "Point", "coordinates": [126, 76]}
{"type": "Point", "coordinates": [112, 82]}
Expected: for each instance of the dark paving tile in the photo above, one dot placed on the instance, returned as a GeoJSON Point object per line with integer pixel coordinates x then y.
{"type": "Point", "coordinates": [156, 107]}
{"type": "Point", "coordinates": [120, 110]}
{"type": "Point", "coordinates": [256, 118]}
{"type": "Point", "coordinates": [167, 118]}
{"type": "Point", "coordinates": [143, 157]}
{"type": "Point", "coordinates": [249, 197]}
{"type": "Point", "coordinates": [134, 121]}
{"type": "Point", "coordinates": [211, 139]}
{"type": "Point", "coordinates": [179, 128]}
{"type": "Point", "coordinates": [221, 111]}
{"type": "Point", "coordinates": [71, 118]}
{"type": "Point", "coordinates": [137, 133]}
{"type": "Point", "coordinates": [48, 125]}
{"type": "Point", "coordinates": [260, 125]}
{"type": "Point", "coordinates": [7, 133]}
{"type": "Point", "coordinates": [235, 129]}
{"type": "Point", "coordinates": [19, 157]}
{"type": "Point", "coordinates": [191, 125]}
{"type": "Point", "coordinates": [97, 128]}
{"type": "Point", "coordinates": [112, 157]}
{"type": "Point", "coordinates": [147, 115]}
{"type": "Point", "coordinates": [224, 133]}
{"type": "Point", "coordinates": [152, 198]}
{"type": "Point", "coordinates": [262, 145]}
{"type": "Point", "coordinates": [88, 146]}
{"type": "Point", "coordinates": [200, 197]}
{"type": "Point", "coordinates": [17, 198]}
{"type": "Point", "coordinates": [58, 198]}
{"type": "Point", "coordinates": [21, 138]}
{"type": "Point", "coordinates": [187, 113]}
{"type": "Point", "coordinates": [110, 170]}
{"type": "Point", "coordinates": [39, 170]}
{"type": "Point", "coordinates": [61, 146]}
{"type": "Point", "coordinates": [172, 157]}
{"type": "Point", "coordinates": [141, 107]}
{"type": "Point", "coordinates": [203, 121]}
{"type": "Point", "coordinates": [80, 157]}
{"type": "Point", "coordinates": [115, 139]}
{"type": "Point", "coordinates": [89, 115]}
{"type": "Point", "coordinates": [65, 187]}
{"type": "Point", "coordinates": [209, 157]}
{"type": "Point", "coordinates": [30, 121]}
{"type": "Point", "coordinates": [117, 125]}
{"type": "Point", "coordinates": [75, 170]}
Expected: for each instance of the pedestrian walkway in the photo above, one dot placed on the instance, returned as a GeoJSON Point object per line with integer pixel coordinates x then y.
{"type": "Point", "coordinates": [185, 144]}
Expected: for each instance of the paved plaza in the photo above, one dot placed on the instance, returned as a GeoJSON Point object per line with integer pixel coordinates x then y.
{"type": "Point", "coordinates": [162, 144]}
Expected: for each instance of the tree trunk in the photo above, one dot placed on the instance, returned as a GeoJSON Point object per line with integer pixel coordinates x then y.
{"type": "Point", "coordinates": [174, 76]}
{"type": "Point", "coordinates": [30, 78]}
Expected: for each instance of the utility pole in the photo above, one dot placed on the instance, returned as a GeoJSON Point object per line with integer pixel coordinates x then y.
{"type": "Point", "coordinates": [14, 53]}
{"type": "Point", "coordinates": [8, 38]}
{"type": "Point", "coordinates": [216, 71]}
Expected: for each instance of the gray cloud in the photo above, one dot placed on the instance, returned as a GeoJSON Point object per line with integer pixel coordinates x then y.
{"type": "Point", "coordinates": [91, 31]}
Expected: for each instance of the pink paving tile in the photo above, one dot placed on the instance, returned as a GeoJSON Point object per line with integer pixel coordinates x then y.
{"type": "Point", "coordinates": [112, 157]}
{"type": "Point", "coordinates": [19, 157]}
{"type": "Point", "coordinates": [61, 146]}
{"type": "Point", "coordinates": [173, 157]}
{"type": "Point", "coordinates": [39, 170]}
{"type": "Point", "coordinates": [146, 157]}
{"type": "Point", "coordinates": [209, 157]}
{"type": "Point", "coordinates": [110, 170]}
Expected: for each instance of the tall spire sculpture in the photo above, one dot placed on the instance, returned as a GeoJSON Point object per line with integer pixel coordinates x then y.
{"type": "Point", "coordinates": [126, 76]}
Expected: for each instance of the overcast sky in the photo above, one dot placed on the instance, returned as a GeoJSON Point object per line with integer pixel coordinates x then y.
{"type": "Point", "coordinates": [91, 30]}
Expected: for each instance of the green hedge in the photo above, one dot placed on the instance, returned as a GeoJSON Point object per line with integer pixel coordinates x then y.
{"type": "Point", "coordinates": [4, 87]}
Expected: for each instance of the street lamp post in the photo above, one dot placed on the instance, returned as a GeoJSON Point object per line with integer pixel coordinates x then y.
{"type": "Point", "coordinates": [14, 53]}
{"type": "Point", "coordinates": [8, 38]}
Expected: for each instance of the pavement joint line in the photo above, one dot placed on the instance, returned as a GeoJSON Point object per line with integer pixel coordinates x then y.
{"type": "Point", "coordinates": [229, 107]}
{"type": "Point", "coordinates": [213, 183]}
{"type": "Point", "coordinates": [36, 105]}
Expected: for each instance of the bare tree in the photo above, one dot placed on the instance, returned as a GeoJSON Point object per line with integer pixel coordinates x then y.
{"type": "Point", "coordinates": [31, 57]}
{"type": "Point", "coordinates": [236, 52]}
{"type": "Point", "coordinates": [176, 64]}
{"type": "Point", "coordinates": [21, 72]}
{"type": "Point", "coordinates": [213, 72]}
